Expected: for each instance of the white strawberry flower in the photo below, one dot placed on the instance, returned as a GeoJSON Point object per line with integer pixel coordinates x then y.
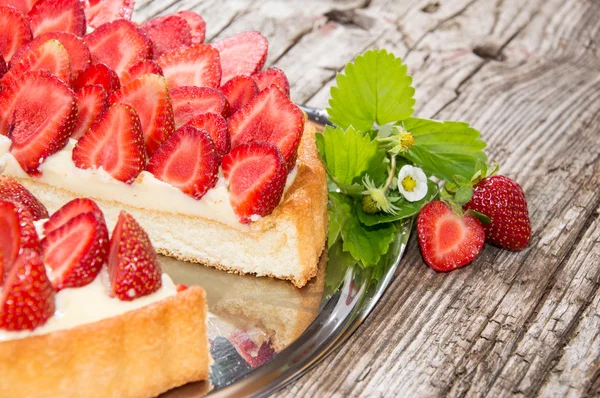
{"type": "Point", "coordinates": [412, 183]}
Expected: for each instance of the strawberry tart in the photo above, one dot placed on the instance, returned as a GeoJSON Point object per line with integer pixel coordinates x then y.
{"type": "Point", "coordinates": [196, 141]}
{"type": "Point", "coordinates": [80, 312]}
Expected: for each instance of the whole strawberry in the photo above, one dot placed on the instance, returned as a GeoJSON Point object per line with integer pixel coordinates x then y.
{"type": "Point", "coordinates": [503, 201]}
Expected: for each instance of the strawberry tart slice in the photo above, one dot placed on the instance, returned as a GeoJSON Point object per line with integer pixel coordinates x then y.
{"type": "Point", "coordinates": [82, 314]}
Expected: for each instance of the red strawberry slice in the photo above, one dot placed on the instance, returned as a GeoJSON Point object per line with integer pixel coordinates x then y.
{"type": "Point", "coordinates": [100, 12]}
{"type": "Point", "coordinates": [269, 117]}
{"type": "Point", "coordinates": [79, 54]}
{"type": "Point", "coordinates": [256, 173]}
{"type": "Point", "coordinates": [39, 115]}
{"type": "Point", "coordinates": [272, 76]}
{"type": "Point", "coordinates": [17, 232]}
{"type": "Point", "coordinates": [217, 127]}
{"type": "Point", "coordinates": [133, 268]}
{"type": "Point", "coordinates": [3, 67]}
{"type": "Point", "coordinates": [242, 54]}
{"type": "Point", "coordinates": [119, 45]}
{"type": "Point", "coordinates": [239, 91]}
{"type": "Point", "coordinates": [57, 16]}
{"type": "Point", "coordinates": [27, 299]}
{"type": "Point", "coordinates": [167, 33]}
{"type": "Point", "coordinates": [92, 102]}
{"type": "Point", "coordinates": [141, 68]}
{"type": "Point", "coordinates": [50, 56]}
{"type": "Point", "coordinates": [255, 356]}
{"type": "Point", "coordinates": [197, 65]}
{"type": "Point", "coordinates": [76, 251]}
{"type": "Point", "coordinates": [22, 5]}
{"type": "Point", "coordinates": [187, 160]}
{"type": "Point", "coordinates": [447, 240]}
{"type": "Point", "coordinates": [14, 31]}
{"type": "Point", "coordinates": [189, 102]}
{"type": "Point", "coordinates": [11, 190]}
{"type": "Point", "coordinates": [71, 210]}
{"type": "Point", "coordinates": [98, 74]}
{"type": "Point", "coordinates": [149, 96]}
{"type": "Point", "coordinates": [115, 143]}
{"type": "Point", "coordinates": [196, 24]}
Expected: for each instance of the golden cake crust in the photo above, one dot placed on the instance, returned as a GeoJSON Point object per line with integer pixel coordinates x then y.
{"type": "Point", "coordinates": [140, 353]}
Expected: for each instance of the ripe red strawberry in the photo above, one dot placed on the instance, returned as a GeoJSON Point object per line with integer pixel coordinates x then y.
{"type": "Point", "coordinates": [217, 128]}
{"type": "Point", "coordinates": [119, 45]}
{"type": "Point", "coordinates": [167, 33]}
{"type": "Point", "coordinates": [269, 117]}
{"type": "Point", "coordinates": [242, 54]}
{"type": "Point", "coordinates": [92, 102]}
{"type": "Point", "coordinates": [197, 65]}
{"type": "Point", "coordinates": [100, 12]}
{"type": "Point", "coordinates": [3, 67]}
{"type": "Point", "coordinates": [17, 232]}
{"type": "Point", "coordinates": [11, 190]}
{"type": "Point", "coordinates": [27, 299]}
{"type": "Point", "coordinates": [189, 102]}
{"type": "Point", "coordinates": [239, 91]}
{"type": "Point", "coordinates": [447, 240]}
{"type": "Point", "coordinates": [76, 251]}
{"type": "Point", "coordinates": [187, 160]}
{"type": "Point", "coordinates": [79, 54]}
{"type": "Point", "coordinates": [196, 24]}
{"type": "Point", "coordinates": [272, 76]}
{"type": "Point", "coordinates": [141, 68]}
{"type": "Point", "coordinates": [39, 114]}
{"type": "Point", "coordinates": [133, 268]}
{"type": "Point", "coordinates": [14, 31]}
{"type": "Point", "coordinates": [115, 143]}
{"type": "Point", "coordinates": [256, 173]}
{"type": "Point", "coordinates": [98, 74]}
{"type": "Point", "coordinates": [71, 210]}
{"type": "Point", "coordinates": [22, 5]}
{"type": "Point", "coordinates": [57, 16]}
{"type": "Point", "coordinates": [503, 201]}
{"type": "Point", "coordinates": [149, 96]}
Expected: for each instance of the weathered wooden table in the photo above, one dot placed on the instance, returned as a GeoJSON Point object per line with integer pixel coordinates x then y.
{"type": "Point", "coordinates": [526, 73]}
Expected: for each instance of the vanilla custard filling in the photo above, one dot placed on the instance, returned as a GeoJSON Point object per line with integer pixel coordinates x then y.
{"type": "Point", "coordinates": [90, 303]}
{"type": "Point", "coordinates": [146, 192]}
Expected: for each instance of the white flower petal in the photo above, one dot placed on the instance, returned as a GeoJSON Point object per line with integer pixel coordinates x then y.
{"type": "Point", "coordinates": [420, 178]}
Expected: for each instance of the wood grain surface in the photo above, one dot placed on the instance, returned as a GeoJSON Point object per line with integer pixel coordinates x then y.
{"type": "Point", "coordinates": [526, 73]}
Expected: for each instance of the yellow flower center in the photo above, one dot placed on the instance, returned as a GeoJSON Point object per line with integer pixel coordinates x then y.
{"type": "Point", "coordinates": [406, 140]}
{"type": "Point", "coordinates": [409, 183]}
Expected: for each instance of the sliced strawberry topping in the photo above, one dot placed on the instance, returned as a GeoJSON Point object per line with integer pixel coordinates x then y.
{"type": "Point", "coordinates": [98, 74]}
{"type": "Point", "coordinates": [197, 65]}
{"type": "Point", "coordinates": [79, 54]}
{"type": "Point", "coordinates": [256, 173]}
{"type": "Point", "coordinates": [141, 68]}
{"type": "Point", "coordinates": [22, 5]}
{"type": "Point", "coordinates": [196, 24]}
{"type": "Point", "coordinates": [217, 127]}
{"type": "Point", "coordinates": [119, 45]}
{"type": "Point", "coordinates": [27, 299]}
{"type": "Point", "coordinates": [17, 232]}
{"type": "Point", "coordinates": [167, 33]}
{"type": "Point", "coordinates": [269, 117]}
{"type": "Point", "coordinates": [39, 115]}
{"type": "Point", "coordinates": [71, 210]}
{"type": "Point", "coordinates": [115, 143]}
{"type": "Point", "coordinates": [253, 355]}
{"type": "Point", "coordinates": [242, 54]}
{"type": "Point", "coordinates": [133, 268]}
{"type": "Point", "coordinates": [239, 91]}
{"type": "Point", "coordinates": [272, 76]}
{"type": "Point", "coordinates": [57, 16]}
{"type": "Point", "coordinates": [447, 240]}
{"type": "Point", "coordinates": [92, 102]}
{"type": "Point", "coordinates": [11, 190]}
{"type": "Point", "coordinates": [149, 96]}
{"type": "Point", "coordinates": [14, 31]}
{"type": "Point", "coordinates": [187, 160]}
{"type": "Point", "coordinates": [76, 251]}
{"type": "Point", "coordinates": [100, 12]}
{"type": "Point", "coordinates": [189, 102]}
{"type": "Point", "coordinates": [3, 67]}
